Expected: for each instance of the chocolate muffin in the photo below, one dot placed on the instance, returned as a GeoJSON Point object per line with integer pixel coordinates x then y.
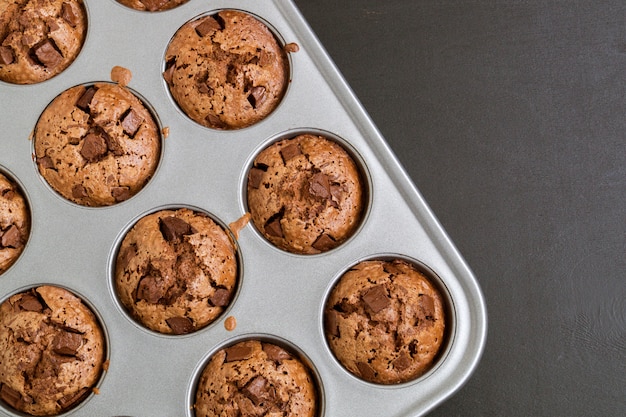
{"type": "Point", "coordinates": [152, 5]}
{"type": "Point", "coordinates": [254, 378]}
{"type": "Point", "coordinates": [305, 194]}
{"type": "Point", "coordinates": [226, 71]}
{"type": "Point", "coordinates": [52, 351]}
{"type": "Point", "coordinates": [176, 271]}
{"type": "Point", "coordinates": [385, 321]}
{"type": "Point", "coordinates": [97, 145]}
{"type": "Point", "coordinates": [14, 222]}
{"type": "Point", "coordinates": [39, 38]}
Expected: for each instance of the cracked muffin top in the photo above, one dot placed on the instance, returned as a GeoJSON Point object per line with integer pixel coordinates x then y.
{"type": "Point", "coordinates": [39, 38]}
{"type": "Point", "coordinates": [97, 145]}
{"type": "Point", "coordinates": [305, 194]}
{"type": "Point", "coordinates": [52, 351]}
{"type": "Point", "coordinates": [227, 70]}
{"type": "Point", "coordinates": [255, 378]}
{"type": "Point", "coordinates": [176, 271]}
{"type": "Point", "coordinates": [385, 321]}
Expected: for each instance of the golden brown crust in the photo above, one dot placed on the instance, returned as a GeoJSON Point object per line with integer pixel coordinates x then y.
{"type": "Point", "coordinates": [178, 280]}
{"type": "Point", "coordinates": [305, 194]}
{"type": "Point", "coordinates": [254, 378]}
{"type": "Point", "coordinates": [385, 321]}
{"type": "Point", "coordinates": [226, 71]}
{"type": "Point", "coordinates": [128, 157]}
{"type": "Point", "coordinates": [51, 350]}
{"type": "Point", "coordinates": [39, 38]}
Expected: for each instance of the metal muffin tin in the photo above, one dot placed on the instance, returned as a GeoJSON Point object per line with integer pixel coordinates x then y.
{"type": "Point", "coordinates": [280, 295]}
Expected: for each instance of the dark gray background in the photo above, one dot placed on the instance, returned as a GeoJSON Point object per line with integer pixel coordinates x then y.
{"type": "Point", "coordinates": [510, 118]}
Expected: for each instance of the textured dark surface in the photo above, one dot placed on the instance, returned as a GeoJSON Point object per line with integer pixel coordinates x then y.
{"type": "Point", "coordinates": [509, 116]}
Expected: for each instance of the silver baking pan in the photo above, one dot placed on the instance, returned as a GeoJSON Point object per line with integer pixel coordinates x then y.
{"type": "Point", "coordinates": [280, 296]}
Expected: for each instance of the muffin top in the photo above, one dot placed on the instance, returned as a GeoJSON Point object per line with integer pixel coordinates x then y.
{"type": "Point", "coordinates": [39, 38]}
{"type": "Point", "coordinates": [226, 71]}
{"type": "Point", "coordinates": [254, 378]}
{"type": "Point", "coordinates": [385, 321]}
{"type": "Point", "coordinates": [176, 271]}
{"type": "Point", "coordinates": [305, 194]}
{"type": "Point", "coordinates": [52, 351]}
{"type": "Point", "coordinates": [97, 145]}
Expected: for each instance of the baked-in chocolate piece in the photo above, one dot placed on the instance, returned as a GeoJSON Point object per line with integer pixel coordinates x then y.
{"type": "Point", "coordinates": [14, 222]}
{"type": "Point", "coordinates": [385, 321]}
{"type": "Point", "coordinates": [226, 71]}
{"type": "Point", "coordinates": [305, 194]}
{"type": "Point", "coordinates": [254, 378]}
{"type": "Point", "coordinates": [152, 5]}
{"type": "Point", "coordinates": [39, 39]}
{"type": "Point", "coordinates": [176, 271]}
{"type": "Point", "coordinates": [52, 351]}
{"type": "Point", "coordinates": [97, 145]}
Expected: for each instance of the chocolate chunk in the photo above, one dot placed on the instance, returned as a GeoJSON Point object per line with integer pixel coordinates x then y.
{"type": "Point", "coordinates": [67, 343]}
{"type": "Point", "coordinates": [324, 243]}
{"type": "Point", "coordinates": [204, 88]}
{"type": "Point", "coordinates": [47, 53]}
{"type": "Point", "coordinates": [376, 298]}
{"type": "Point", "coordinates": [220, 298]}
{"type": "Point", "coordinates": [427, 304]}
{"type": "Point", "coordinates": [45, 162]}
{"type": "Point", "coordinates": [169, 72]}
{"type": "Point", "coordinates": [79, 191]}
{"type": "Point", "coordinates": [238, 353]}
{"type": "Point", "coordinates": [6, 55]}
{"type": "Point", "coordinates": [257, 390]}
{"type": "Point", "coordinates": [173, 228]}
{"type": "Point", "coordinates": [180, 325]}
{"type": "Point", "coordinates": [207, 26]}
{"type": "Point", "coordinates": [215, 121]}
{"type": "Point", "coordinates": [366, 371]}
{"type": "Point", "coordinates": [290, 151]}
{"type": "Point", "coordinates": [149, 290]}
{"type": "Point", "coordinates": [131, 122]}
{"type": "Point", "coordinates": [275, 353]}
{"type": "Point", "coordinates": [273, 227]}
{"type": "Point", "coordinates": [256, 96]}
{"type": "Point", "coordinates": [67, 13]}
{"type": "Point", "coordinates": [319, 185]}
{"type": "Point", "coordinates": [11, 238]}
{"type": "Point", "coordinates": [402, 362]}
{"type": "Point", "coordinates": [70, 399]}
{"type": "Point", "coordinates": [85, 99]}
{"type": "Point", "coordinates": [120, 193]}
{"type": "Point", "coordinates": [94, 146]}
{"type": "Point", "coordinates": [11, 396]}
{"type": "Point", "coordinates": [255, 177]}
{"type": "Point", "coordinates": [29, 302]}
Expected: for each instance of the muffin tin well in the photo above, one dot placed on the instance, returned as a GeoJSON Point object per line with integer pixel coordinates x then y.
{"type": "Point", "coordinates": [280, 295]}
